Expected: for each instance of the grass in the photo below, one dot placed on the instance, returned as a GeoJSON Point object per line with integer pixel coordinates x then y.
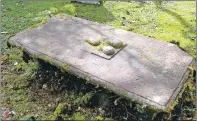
{"type": "Point", "coordinates": [172, 21]}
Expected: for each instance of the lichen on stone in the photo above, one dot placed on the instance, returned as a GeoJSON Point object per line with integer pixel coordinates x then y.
{"type": "Point", "coordinates": [93, 41]}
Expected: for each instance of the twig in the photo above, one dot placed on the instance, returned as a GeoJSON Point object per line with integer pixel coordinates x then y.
{"type": "Point", "coordinates": [116, 101]}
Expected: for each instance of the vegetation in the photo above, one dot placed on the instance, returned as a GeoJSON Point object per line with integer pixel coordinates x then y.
{"type": "Point", "coordinates": [35, 88]}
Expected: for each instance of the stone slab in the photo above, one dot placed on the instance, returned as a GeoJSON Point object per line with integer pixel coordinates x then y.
{"type": "Point", "coordinates": [146, 70]}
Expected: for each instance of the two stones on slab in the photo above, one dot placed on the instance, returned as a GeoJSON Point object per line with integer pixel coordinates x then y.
{"type": "Point", "coordinates": [107, 46]}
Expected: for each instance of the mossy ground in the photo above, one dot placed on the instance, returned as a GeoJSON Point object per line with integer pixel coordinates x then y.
{"type": "Point", "coordinates": [32, 87]}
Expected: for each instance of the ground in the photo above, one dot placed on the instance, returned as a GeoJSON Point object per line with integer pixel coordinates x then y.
{"type": "Point", "coordinates": [31, 87]}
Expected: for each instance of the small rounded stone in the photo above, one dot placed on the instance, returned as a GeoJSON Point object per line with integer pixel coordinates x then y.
{"type": "Point", "coordinates": [93, 41]}
{"type": "Point", "coordinates": [108, 50]}
{"type": "Point", "coordinates": [116, 43]}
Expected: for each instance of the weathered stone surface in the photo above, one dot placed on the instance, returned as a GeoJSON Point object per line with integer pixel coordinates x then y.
{"type": "Point", "coordinates": [108, 50]}
{"type": "Point", "coordinates": [146, 70]}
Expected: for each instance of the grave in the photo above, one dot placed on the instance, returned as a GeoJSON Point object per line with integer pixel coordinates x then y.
{"type": "Point", "coordinates": [142, 69]}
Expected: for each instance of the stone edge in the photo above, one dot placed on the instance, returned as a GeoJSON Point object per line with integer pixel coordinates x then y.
{"type": "Point", "coordinates": [180, 85]}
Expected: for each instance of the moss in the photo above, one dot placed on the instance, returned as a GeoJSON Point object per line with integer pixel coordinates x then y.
{"type": "Point", "coordinates": [147, 108]}
{"type": "Point", "coordinates": [44, 21]}
{"type": "Point", "coordinates": [122, 93]}
{"type": "Point", "coordinates": [65, 67]}
{"type": "Point", "coordinates": [58, 112]}
{"type": "Point", "coordinates": [64, 16]}
{"type": "Point", "coordinates": [93, 43]}
{"type": "Point", "coordinates": [78, 116]}
{"type": "Point", "coordinates": [99, 118]}
{"type": "Point", "coordinates": [102, 45]}
{"type": "Point", "coordinates": [60, 65]}
{"type": "Point", "coordinates": [53, 10]}
{"type": "Point", "coordinates": [45, 58]}
{"type": "Point", "coordinates": [108, 119]}
{"type": "Point", "coordinates": [60, 15]}
{"type": "Point", "coordinates": [83, 100]}
{"type": "Point", "coordinates": [17, 80]}
{"type": "Point", "coordinates": [69, 9]}
{"type": "Point", "coordinates": [59, 109]}
{"type": "Point", "coordinates": [192, 70]}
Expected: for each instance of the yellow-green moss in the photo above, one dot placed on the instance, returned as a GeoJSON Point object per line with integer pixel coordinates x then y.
{"type": "Point", "coordinates": [59, 109]}
{"type": "Point", "coordinates": [45, 58]}
{"type": "Point", "coordinates": [99, 118]}
{"type": "Point", "coordinates": [60, 65]}
{"type": "Point", "coordinates": [68, 8]}
{"type": "Point", "coordinates": [58, 112]}
{"type": "Point", "coordinates": [102, 45]}
{"type": "Point", "coordinates": [53, 10]}
{"type": "Point", "coordinates": [192, 70]}
{"type": "Point", "coordinates": [44, 21]}
{"type": "Point", "coordinates": [65, 67]}
{"type": "Point", "coordinates": [78, 116]}
{"type": "Point", "coordinates": [93, 43]}
{"type": "Point", "coordinates": [63, 16]}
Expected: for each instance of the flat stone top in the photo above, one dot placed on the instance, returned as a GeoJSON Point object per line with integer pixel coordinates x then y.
{"type": "Point", "coordinates": [146, 70]}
